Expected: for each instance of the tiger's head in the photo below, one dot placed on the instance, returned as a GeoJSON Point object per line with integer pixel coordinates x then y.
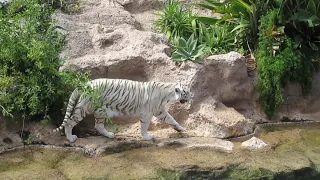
{"type": "Point", "coordinates": [183, 93]}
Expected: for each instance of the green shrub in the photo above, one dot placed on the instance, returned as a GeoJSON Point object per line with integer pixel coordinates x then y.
{"type": "Point", "coordinates": [244, 14]}
{"type": "Point", "coordinates": [187, 50]}
{"type": "Point", "coordinates": [285, 42]}
{"type": "Point", "coordinates": [30, 82]}
{"type": "Point", "coordinates": [219, 38]}
{"type": "Point", "coordinates": [277, 67]}
{"type": "Point", "coordinates": [302, 24]}
{"type": "Point", "coordinates": [301, 21]}
{"type": "Point", "coordinates": [176, 21]}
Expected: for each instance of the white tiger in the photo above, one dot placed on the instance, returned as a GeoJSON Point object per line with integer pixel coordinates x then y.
{"type": "Point", "coordinates": [124, 97]}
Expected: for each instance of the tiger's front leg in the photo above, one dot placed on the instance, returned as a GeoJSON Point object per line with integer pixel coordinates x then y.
{"type": "Point", "coordinates": [166, 117]}
{"type": "Point", "coordinates": [145, 120]}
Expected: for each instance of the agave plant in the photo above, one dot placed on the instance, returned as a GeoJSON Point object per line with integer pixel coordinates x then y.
{"type": "Point", "coordinates": [187, 50]}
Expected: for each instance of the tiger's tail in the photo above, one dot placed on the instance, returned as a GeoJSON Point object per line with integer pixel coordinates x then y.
{"type": "Point", "coordinates": [73, 100]}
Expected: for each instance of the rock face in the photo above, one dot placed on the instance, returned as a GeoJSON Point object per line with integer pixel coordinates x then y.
{"type": "Point", "coordinates": [114, 39]}
{"type": "Point", "coordinates": [9, 141]}
{"type": "Point", "coordinates": [120, 52]}
{"type": "Point", "coordinates": [107, 41]}
{"type": "Point", "coordinates": [297, 106]}
{"type": "Point", "coordinates": [253, 144]}
{"type": "Point", "coordinates": [9, 135]}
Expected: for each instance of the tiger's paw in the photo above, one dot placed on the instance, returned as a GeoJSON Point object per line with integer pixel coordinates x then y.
{"type": "Point", "coordinates": [178, 128]}
{"type": "Point", "coordinates": [110, 135]}
{"type": "Point", "coordinates": [148, 137]}
{"type": "Point", "coordinates": [72, 138]}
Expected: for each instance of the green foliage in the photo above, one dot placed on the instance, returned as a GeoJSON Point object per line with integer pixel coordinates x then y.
{"type": "Point", "coordinates": [289, 43]}
{"type": "Point", "coordinates": [244, 14]}
{"type": "Point", "coordinates": [244, 174]}
{"type": "Point", "coordinates": [5, 112]}
{"type": "Point", "coordinates": [178, 22]}
{"type": "Point", "coordinates": [28, 141]}
{"type": "Point", "coordinates": [277, 67]}
{"type": "Point", "coordinates": [30, 82]}
{"type": "Point", "coordinates": [219, 38]}
{"type": "Point", "coordinates": [302, 24]}
{"type": "Point", "coordinates": [187, 50]}
{"type": "Point", "coordinates": [164, 174]}
{"type": "Point", "coordinates": [286, 42]}
{"type": "Point", "coordinates": [175, 21]}
{"type": "Point", "coordinates": [66, 6]}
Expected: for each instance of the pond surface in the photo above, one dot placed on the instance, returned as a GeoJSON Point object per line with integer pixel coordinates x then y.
{"type": "Point", "coordinates": [293, 153]}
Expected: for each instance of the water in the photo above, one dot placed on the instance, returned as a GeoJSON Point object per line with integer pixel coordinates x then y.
{"type": "Point", "coordinates": [293, 153]}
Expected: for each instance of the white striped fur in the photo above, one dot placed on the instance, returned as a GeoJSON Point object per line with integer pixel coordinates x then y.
{"type": "Point", "coordinates": [124, 97]}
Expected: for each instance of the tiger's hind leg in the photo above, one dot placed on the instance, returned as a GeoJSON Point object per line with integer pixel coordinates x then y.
{"type": "Point", "coordinates": [166, 117]}
{"type": "Point", "coordinates": [68, 131]}
{"type": "Point", "coordinates": [80, 111]}
{"type": "Point", "coordinates": [99, 115]}
{"type": "Point", "coordinates": [73, 121]}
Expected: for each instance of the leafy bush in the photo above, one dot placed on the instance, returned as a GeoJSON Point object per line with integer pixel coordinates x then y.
{"type": "Point", "coordinates": [187, 50]}
{"type": "Point", "coordinates": [175, 21]}
{"type": "Point", "coordinates": [244, 14]}
{"type": "Point", "coordinates": [219, 38]}
{"type": "Point", "coordinates": [30, 82]}
{"type": "Point", "coordinates": [293, 42]}
{"type": "Point", "coordinates": [178, 22]}
{"type": "Point", "coordinates": [286, 42]}
{"type": "Point", "coordinates": [302, 24]}
{"type": "Point", "coordinates": [277, 66]}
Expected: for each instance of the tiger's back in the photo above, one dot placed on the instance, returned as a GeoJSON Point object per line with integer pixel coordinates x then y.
{"type": "Point", "coordinates": [127, 97]}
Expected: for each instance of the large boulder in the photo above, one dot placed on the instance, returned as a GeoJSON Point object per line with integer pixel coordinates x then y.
{"type": "Point", "coordinates": [224, 77]}
{"type": "Point", "coordinates": [214, 119]}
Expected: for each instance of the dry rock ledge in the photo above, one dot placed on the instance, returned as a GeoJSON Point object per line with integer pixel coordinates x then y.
{"type": "Point", "coordinates": [116, 40]}
{"type": "Point", "coordinates": [40, 136]}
